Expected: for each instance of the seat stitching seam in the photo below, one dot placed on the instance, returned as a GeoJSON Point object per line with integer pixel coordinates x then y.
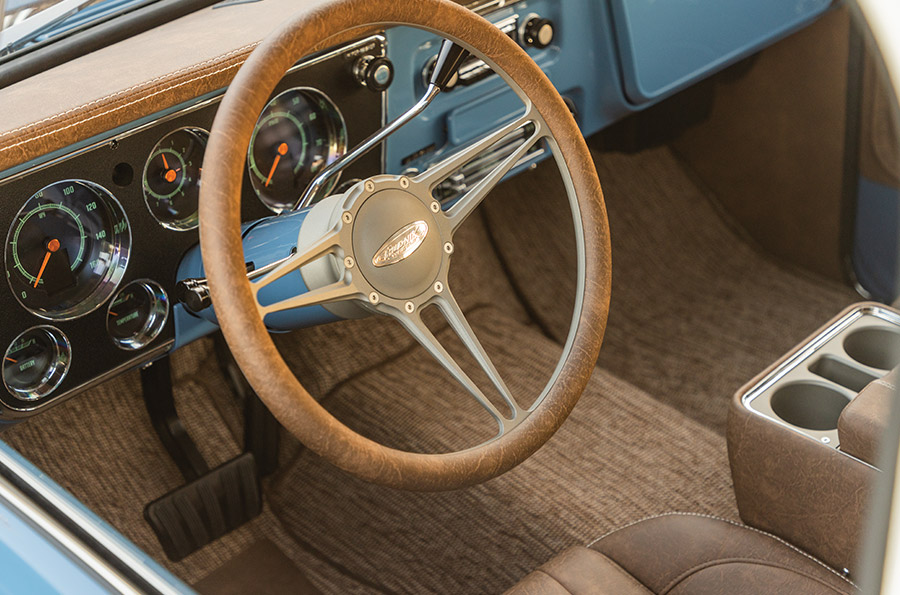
{"type": "Point", "coordinates": [730, 522]}
{"type": "Point", "coordinates": [723, 561]}
{"type": "Point", "coordinates": [624, 572]}
{"type": "Point", "coordinates": [552, 578]}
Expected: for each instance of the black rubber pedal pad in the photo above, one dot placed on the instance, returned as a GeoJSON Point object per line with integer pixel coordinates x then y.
{"type": "Point", "coordinates": [198, 513]}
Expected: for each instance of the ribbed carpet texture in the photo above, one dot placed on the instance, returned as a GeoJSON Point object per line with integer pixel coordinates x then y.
{"type": "Point", "coordinates": [696, 312]}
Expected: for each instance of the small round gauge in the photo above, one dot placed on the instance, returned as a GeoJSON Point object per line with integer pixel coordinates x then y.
{"type": "Point", "coordinates": [137, 314]}
{"type": "Point", "coordinates": [36, 363]}
{"type": "Point", "coordinates": [67, 249]}
{"type": "Point", "coordinates": [171, 180]}
{"type": "Point", "coordinates": [298, 133]}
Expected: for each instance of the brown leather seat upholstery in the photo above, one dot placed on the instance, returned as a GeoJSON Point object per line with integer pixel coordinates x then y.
{"type": "Point", "coordinates": [680, 554]}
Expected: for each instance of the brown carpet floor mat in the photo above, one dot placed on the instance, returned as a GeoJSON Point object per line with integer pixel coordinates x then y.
{"type": "Point", "coordinates": [696, 310]}
{"type": "Point", "coordinates": [620, 456]}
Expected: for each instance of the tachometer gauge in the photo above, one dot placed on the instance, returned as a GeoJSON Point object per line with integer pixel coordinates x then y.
{"type": "Point", "coordinates": [67, 249]}
{"type": "Point", "coordinates": [298, 133]}
{"type": "Point", "coordinates": [171, 180]}
{"type": "Point", "coordinates": [36, 362]}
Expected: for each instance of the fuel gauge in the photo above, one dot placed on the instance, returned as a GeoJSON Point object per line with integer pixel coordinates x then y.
{"type": "Point", "coordinates": [36, 363]}
{"type": "Point", "coordinates": [171, 181]}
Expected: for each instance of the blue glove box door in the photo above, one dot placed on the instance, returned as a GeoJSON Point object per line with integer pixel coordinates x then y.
{"type": "Point", "coordinates": [664, 45]}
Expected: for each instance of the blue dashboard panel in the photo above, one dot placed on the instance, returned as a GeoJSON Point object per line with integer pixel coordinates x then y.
{"type": "Point", "coordinates": [609, 59]}
{"type": "Point", "coordinates": [581, 63]}
{"type": "Point", "coordinates": [666, 45]}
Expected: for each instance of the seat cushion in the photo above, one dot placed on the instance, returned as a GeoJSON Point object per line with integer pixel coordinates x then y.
{"type": "Point", "coordinates": [681, 554]}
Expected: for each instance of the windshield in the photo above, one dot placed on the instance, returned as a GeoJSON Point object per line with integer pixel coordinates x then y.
{"type": "Point", "coordinates": [26, 23]}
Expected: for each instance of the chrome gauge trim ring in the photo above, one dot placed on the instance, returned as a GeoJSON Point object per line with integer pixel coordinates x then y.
{"type": "Point", "coordinates": [191, 220]}
{"type": "Point", "coordinates": [57, 366]}
{"type": "Point", "coordinates": [114, 267]}
{"type": "Point", "coordinates": [336, 148]}
{"type": "Point", "coordinates": [154, 321]}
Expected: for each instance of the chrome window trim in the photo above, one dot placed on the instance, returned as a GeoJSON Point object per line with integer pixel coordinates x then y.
{"type": "Point", "coordinates": [61, 504]}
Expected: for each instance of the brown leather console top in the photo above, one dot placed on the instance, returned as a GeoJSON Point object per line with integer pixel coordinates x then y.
{"type": "Point", "coordinates": [682, 553]}
{"type": "Point", "coordinates": [865, 420]}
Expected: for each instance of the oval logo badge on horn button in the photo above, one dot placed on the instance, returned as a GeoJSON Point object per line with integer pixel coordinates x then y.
{"type": "Point", "coordinates": [401, 245]}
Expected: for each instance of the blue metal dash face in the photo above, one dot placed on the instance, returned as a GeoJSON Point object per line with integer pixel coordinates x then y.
{"type": "Point", "coordinates": [665, 46]}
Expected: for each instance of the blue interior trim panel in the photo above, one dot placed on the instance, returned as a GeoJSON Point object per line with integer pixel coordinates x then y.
{"type": "Point", "coordinates": [667, 45]}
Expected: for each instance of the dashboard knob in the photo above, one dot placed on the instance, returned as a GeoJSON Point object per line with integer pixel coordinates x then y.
{"type": "Point", "coordinates": [374, 73]}
{"type": "Point", "coordinates": [194, 294]}
{"type": "Point", "coordinates": [538, 32]}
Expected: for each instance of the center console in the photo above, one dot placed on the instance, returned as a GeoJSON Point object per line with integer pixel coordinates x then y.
{"type": "Point", "coordinates": [803, 436]}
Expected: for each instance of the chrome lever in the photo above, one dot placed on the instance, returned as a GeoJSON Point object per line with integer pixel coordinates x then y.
{"type": "Point", "coordinates": [448, 61]}
{"type": "Point", "coordinates": [193, 292]}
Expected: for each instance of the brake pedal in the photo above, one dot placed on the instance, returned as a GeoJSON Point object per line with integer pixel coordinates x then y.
{"type": "Point", "coordinates": [212, 502]}
{"type": "Point", "coordinates": [201, 511]}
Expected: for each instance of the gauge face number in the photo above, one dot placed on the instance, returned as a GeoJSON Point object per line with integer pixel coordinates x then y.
{"type": "Point", "coordinates": [36, 362]}
{"type": "Point", "coordinates": [298, 133]}
{"type": "Point", "coordinates": [67, 249]}
{"type": "Point", "coordinates": [171, 178]}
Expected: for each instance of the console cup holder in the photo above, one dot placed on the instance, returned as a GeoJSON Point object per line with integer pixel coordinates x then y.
{"type": "Point", "coordinates": [874, 347]}
{"type": "Point", "coordinates": [809, 405]}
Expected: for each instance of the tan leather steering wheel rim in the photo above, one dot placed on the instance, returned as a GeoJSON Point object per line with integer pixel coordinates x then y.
{"type": "Point", "coordinates": [235, 303]}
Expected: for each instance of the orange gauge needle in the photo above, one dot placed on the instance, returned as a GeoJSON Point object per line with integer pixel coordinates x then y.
{"type": "Point", "coordinates": [9, 359]}
{"type": "Point", "coordinates": [282, 150]}
{"type": "Point", "coordinates": [52, 246]}
{"type": "Point", "coordinates": [165, 163]}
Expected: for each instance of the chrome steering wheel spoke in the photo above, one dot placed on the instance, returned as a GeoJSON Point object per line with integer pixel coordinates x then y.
{"type": "Point", "coordinates": [343, 289]}
{"type": "Point", "coordinates": [439, 172]}
{"type": "Point", "coordinates": [449, 308]}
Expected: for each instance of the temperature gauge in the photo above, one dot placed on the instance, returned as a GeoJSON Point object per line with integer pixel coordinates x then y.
{"type": "Point", "coordinates": [171, 181]}
{"type": "Point", "coordinates": [36, 363]}
{"type": "Point", "coordinates": [137, 314]}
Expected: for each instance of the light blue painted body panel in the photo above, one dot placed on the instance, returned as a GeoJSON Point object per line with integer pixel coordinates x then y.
{"type": "Point", "coordinates": [666, 45]}
{"type": "Point", "coordinates": [610, 58]}
{"type": "Point", "coordinates": [27, 556]}
{"type": "Point", "coordinates": [876, 250]}
{"type": "Point", "coordinates": [31, 562]}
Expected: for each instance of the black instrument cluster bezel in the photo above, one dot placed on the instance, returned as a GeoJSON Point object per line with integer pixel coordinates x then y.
{"type": "Point", "coordinates": [157, 251]}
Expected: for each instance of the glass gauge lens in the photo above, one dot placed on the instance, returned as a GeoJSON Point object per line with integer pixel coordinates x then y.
{"type": "Point", "coordinates": [67, 249]}
{"type": "Point", "coordinates": [137, 314]}
{"type": "Point", "coordinates": [298, 133]}
{"type": "Point", "coordinates": [36, 363]}
{"type": "Point", "coordinates": [171, 181]}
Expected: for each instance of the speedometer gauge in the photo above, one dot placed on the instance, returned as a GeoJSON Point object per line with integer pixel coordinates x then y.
{"type": "Point", "coordinates": [67, 249]}
{"type": "Point", "coordinates": [298, 133]}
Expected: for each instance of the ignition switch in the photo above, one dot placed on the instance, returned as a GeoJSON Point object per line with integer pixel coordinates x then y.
{"type": "Point", "coordinates": [373, 73]}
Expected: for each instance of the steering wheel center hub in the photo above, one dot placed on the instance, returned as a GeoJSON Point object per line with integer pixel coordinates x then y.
{"type": "Point", "coordinates": [397, 243]}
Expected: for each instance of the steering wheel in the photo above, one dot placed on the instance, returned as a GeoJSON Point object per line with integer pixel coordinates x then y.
{"type": "Point", "coordinates": [393, 244]}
